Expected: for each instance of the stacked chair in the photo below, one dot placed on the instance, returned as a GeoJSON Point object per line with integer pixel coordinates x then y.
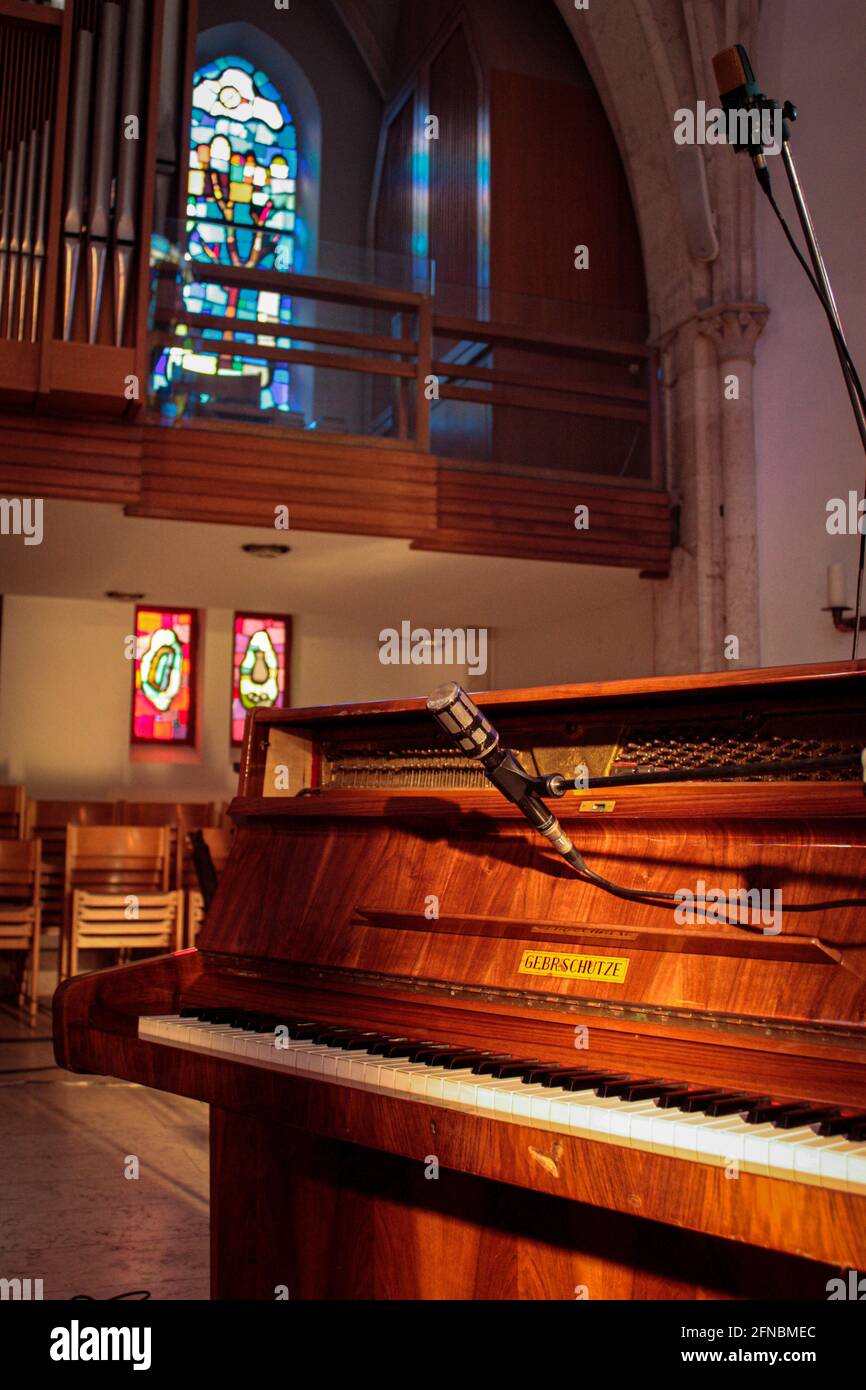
{"type": "Point", "coordinates": [117, 891]}
{"type": "Point", "coordinates": [103, 875]}
{"type": "Point", "coordinates": [47, 822]}
{"type": "Point", "coordinates": [20, 914]}
{"type": "Point", "coordinates": [13, 813]}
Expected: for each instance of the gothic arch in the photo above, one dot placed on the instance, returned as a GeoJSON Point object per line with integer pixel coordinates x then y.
{"type": "Point", "coordinates": [648, 58]}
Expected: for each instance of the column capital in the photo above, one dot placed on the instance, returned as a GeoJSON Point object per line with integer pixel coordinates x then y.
{"type": "Point", "coordinates": [734, 328]}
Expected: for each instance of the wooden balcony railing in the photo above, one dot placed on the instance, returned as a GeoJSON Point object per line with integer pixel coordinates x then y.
{"type": "Point", "coordinates": [412, 353]}
{"type": "Point", "coordinates": [556, 407]}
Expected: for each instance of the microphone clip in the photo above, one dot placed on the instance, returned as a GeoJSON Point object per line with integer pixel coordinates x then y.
{"type": "Point", "coordinates": [514, 781]}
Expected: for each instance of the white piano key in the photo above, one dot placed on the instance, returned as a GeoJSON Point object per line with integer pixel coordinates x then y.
{"type": "Point", "coordinates": [807, 1157]}
{"type": "Point", "coordinates": [782, 1147]}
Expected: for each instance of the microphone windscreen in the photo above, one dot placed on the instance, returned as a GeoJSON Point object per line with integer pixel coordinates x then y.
{"type": "Point", "coordinates": [458, 715]}
{"type": "Point", "coordinates": [443, 697]}
{"type": "Point", "coordinates": [732, 69]}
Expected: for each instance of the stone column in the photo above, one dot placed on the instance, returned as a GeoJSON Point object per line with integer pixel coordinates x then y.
{"type": "Point", "coordinates": [734, 329]}
{"type": "Point", "coordinates": [688, 607]}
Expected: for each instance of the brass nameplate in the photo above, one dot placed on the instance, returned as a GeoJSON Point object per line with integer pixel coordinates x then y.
{"type": "Point", "coordinates": [574, 967]}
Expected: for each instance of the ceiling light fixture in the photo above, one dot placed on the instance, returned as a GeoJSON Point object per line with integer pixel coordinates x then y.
{"type": "Point", "coordinates": [266, 552]}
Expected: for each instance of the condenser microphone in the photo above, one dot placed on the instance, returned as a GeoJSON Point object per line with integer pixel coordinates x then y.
{"type": "Point", "coordinates": [739, 91]}
{"type": "Point", "coordinates": [457, 714]}
{"type": "Point", "coordinates": [738, 86]}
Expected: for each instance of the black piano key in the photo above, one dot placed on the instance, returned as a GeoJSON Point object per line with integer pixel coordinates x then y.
{"type": "Point", "coordinates": [772, 1111]}
{"type": "Point", "coordinates": [857, 1132]}
{"type": "Point", "coordinates": [465, 1059]}
{"type": "Point", "coordinates": [555, 1076]}
{"type": "Point", "coordinates": [419, 1051]}
{"type": "Point", "coordinates": [502, 1070]}
{"type": "Point", "coordinates": [191, 1012]}
{"type": "Point", "coordinates": [732, 1105]}
{"type": "Point", "coordinates": [326, 1032]}
{"type": "Point", "coordinates": [376, 1048]}
{"type": "Point", "coordinates": [806, 1115]}
{"type": "Point", "coordinates": [545, 1073]}
{"type": "Point", "coordinates": [670, 1100]}
{"type": "Point", "coordinates": [300, 1030]}
{"type": "Point", "coordinates": [487, 1058]}
{"type": "Point", "coordinates": [649, 1090]}
{"type": "Point", "coordinates": [437, 1054]}
{"type": "Point", "coordinates": [459, 1057]}
{"type": "Point", "coordinates": [699, 1100]}
{"type": "Point", "coordinates": [614, 1086]}
{"type": "Point", "coordinates": [840, 1124]}
{"type": "Point", "coordinates": [587, 1081]}
{"type": "Point", "coordinates": [391, 1047]}
{"type": "Point", "coordinates": [353, 1039]}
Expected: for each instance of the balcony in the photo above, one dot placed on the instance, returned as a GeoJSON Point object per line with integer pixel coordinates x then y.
{"type": "Point", "coordinates": [370, 399]}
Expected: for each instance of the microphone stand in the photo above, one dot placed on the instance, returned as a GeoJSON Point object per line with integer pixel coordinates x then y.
{"type": "Point", "coordinates": [789, 113]}
{"type": "Point", "coordinates": [821, 283]}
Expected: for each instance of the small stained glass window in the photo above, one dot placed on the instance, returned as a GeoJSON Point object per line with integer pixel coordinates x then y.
{"type": "Point", "coordinates": [164, 679]}
{"type": "Point", "coordinates": [259, 666]}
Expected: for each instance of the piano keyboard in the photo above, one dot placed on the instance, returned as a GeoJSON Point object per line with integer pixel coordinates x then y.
{"type": "Point", "coordinates": [796, 1140]}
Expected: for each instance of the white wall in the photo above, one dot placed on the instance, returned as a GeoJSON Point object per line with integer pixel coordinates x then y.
{"type": "Point", "coordinates": [65, 706]}
{"type": "Point", "coordinates": [65, 683]}
{"type": "Point", "coordinates": [808, 449]}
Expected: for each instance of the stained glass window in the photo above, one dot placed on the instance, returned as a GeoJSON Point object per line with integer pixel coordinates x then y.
{"type": "Point", "coordinates": [241, 210]}
{"type": "Point", "coordinates": [259, 666]}
{"type": "Point", "coordinates": [163, 692]}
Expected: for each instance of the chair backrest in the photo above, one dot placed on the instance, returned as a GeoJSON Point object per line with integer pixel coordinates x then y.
{"type": "Point", "coordinates": [192, 815]}
{"type": "Point", "coordinates": [19, 871]}
{"type": "Point", "coordinates": [13, 813]}
{"type": "Point", "coordinates": [45, 817]}
{"type": "Point", "coordinates": [47, 822]}
{"type": "Point", "coordinates": [118, 858]}
{"type": "Point", "coordinates": [180, 815]}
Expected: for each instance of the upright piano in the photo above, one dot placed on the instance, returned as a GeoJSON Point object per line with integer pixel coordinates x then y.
{"type": "Point", "coordinates": [440, 1064]}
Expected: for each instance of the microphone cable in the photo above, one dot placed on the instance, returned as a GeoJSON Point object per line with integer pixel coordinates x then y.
{"type": "Point", "coordinates": [653, 898]}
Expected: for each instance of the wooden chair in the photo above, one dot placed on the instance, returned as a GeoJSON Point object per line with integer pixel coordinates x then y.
{"type": "Point", "coordinates": [117, 891]}
{"type": "Point", "coordinates": [47, 822]}
{"type": "Point", "coordinates": [20, 913]}
{"type": "Point", "coordinates": [219, 842]}
{"type": "Point", "coordinates": [13, 813]}
{"type": "Point", "coordinates": [181, 816]}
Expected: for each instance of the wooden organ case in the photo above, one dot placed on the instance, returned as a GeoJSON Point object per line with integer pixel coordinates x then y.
{"type": "Point", "coordinates": [424, 1130]}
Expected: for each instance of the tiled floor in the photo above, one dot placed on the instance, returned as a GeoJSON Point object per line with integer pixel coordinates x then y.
{"type": "Point", "coordinates": [68, 1215]}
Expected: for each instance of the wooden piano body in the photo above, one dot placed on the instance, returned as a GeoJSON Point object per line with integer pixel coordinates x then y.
{"type": "Point", "coordinates": [400, 895]}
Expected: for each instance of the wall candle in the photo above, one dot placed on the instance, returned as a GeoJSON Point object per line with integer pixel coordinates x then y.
{"type": "Point", "coordinates": [836, 587]}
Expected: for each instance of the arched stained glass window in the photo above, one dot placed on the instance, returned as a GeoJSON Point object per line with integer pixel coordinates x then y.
{"type": "Point", "coordinates": [241, 210]}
